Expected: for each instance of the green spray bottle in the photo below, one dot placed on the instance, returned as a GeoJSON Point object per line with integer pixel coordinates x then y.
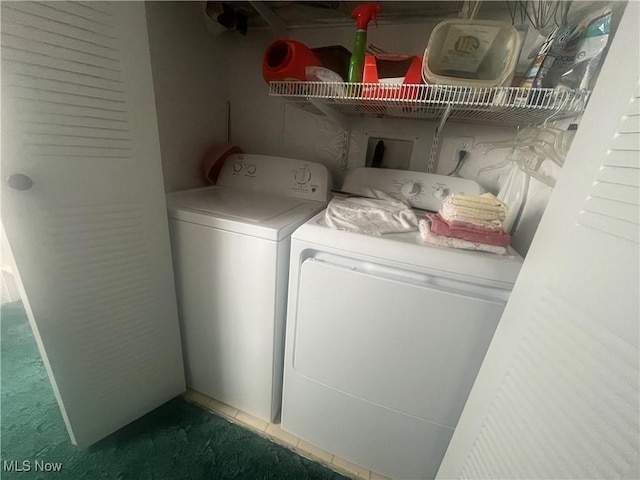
{"type": "Point", "coordinates": [362, 15]}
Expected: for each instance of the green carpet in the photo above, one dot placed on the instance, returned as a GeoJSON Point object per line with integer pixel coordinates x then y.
{"type": "Point", "coordinates": [176, 441]}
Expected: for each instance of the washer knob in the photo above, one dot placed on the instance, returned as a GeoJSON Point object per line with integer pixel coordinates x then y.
{"type": "Point", "coordinates": [410, 189]}
{"type": "Point", "coordinates": [302, 175]}
{"type": "Point", "coordinates": [251, 169]}
{"type": "Point", "coordinates": [237, 167]}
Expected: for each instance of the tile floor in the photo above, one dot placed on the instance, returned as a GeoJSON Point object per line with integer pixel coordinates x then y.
{"type": "Point", "coordinates": [273, 432]}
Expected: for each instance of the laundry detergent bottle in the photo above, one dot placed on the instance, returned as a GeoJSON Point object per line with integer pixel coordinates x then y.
{"type": "Point", "coordinates": [363, 14]}
{"type": "Point", "coordinates": [286, 60]}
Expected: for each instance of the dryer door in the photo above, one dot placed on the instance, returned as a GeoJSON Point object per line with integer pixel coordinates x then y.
{"type": "Point", "coordinates": [409, 342]}
{"type": "Point", "coordinates": [404, 345]}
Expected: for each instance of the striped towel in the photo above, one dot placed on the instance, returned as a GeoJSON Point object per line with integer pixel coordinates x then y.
{"type": "Point", "coordinates": [483, 210]}
{"type": "Point", "coordinates": [485, 201]}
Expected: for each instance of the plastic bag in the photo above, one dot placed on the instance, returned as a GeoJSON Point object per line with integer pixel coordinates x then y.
{"type": "Point", "coordinates": [539, 67]}
{"type": "Point", "coordinates": [512, 186]}
{"type": "Point", "coordinates": [577, 49]}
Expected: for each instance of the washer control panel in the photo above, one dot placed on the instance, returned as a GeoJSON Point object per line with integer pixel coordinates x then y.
{"type": "Point", "coordinates": [425, 191]}
{"type": "Point", "coordinates": [276, 175]}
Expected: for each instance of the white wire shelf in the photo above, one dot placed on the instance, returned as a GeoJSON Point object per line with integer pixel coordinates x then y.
{"type": "Point", "coordinates": [504, 106]}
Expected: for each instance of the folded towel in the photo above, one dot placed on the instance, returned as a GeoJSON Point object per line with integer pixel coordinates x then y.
{"type": "Point", "coordinates": [469, 231]}
{"type": "Point", "coordinates": [486, 200]}
{"type": "Point", "coordinates": [452, 213]}
{"type": "Point", "coordinates": [483, 210]}
{"type": "Point", "coordinates": [372, 216]}
{"type": "Point", "coordinates": [471, 215]}
{"type": "Point", "coordinates": [440, 240]}
{"type": "Point", "coordinates": [457, 225]}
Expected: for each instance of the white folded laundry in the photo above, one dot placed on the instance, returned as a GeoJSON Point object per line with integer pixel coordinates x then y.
{"type": "Point", "coordinates": [486, 201]}
{"type": "Point", "coordinates": [484, 210]}
{"type": "Point", "coordinates": [471, 215]}
{"type": "Point", "coordinates": [371, 216]}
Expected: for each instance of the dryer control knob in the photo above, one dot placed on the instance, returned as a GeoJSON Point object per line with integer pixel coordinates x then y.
{"type": "Point", "coordinates": [410, 189]}
{"type": "Point", "coordinates": [440, 192]}
{"type": "Point", "coordinates": [237, 167]}
{"type": "Point", "coordinates": [302, 175]}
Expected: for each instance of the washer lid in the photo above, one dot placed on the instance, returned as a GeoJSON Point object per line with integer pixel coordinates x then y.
{"type": "Point", "coordinates": [244, 205]}
{"type": "Point", "coordinates": [242, 211]}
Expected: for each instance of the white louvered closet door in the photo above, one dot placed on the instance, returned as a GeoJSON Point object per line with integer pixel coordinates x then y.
{"type": "Point", "coordinates": [557, 395]}
{"type": "Point", "coordinates": [85, 209]}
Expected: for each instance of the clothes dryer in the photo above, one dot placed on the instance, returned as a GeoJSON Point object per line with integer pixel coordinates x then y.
{"type": "Point", "coordinates": [385, 335]}
{"type": "Point", "coordinates": [230, 245]}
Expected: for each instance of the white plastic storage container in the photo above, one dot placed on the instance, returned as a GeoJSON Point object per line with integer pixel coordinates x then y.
{"type": "Point", "coordinates": [472, 53]}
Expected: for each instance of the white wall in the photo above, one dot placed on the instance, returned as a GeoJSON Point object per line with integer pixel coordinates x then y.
{"type": "Point", "coordinates": [190, 79]}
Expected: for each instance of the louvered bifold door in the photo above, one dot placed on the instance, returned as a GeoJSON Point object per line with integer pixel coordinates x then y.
{"type": "Point", "coordinates": [613, 203]}
{"type": "Point", "coordinates": [557, 395]}
{"type": "Point", "coordinates": [84, 210]}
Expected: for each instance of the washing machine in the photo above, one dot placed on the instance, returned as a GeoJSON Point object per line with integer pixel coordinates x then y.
{"type": "Point", "coordinates": [230, 244]}
{"type": "Point", "coordinates": [385, 335]}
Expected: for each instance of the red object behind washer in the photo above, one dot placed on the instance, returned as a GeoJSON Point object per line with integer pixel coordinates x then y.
{"type": "Point", "coordinates": [214, 158]}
